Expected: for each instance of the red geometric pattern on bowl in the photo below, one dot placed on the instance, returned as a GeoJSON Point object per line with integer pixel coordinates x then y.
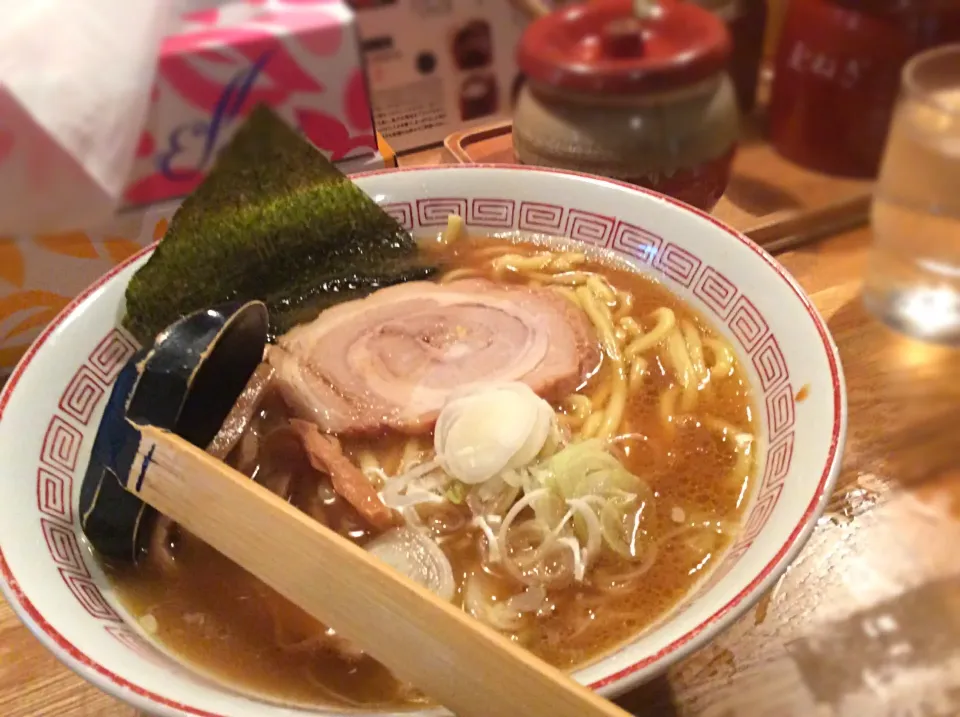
{"type": "Point", "coordinates": [55, 495]}
{"type": "Point", "coordinates": [722, 298]}
{"type": "Point", "coordinates": [779, 457]}
{"type": "Point", "coordinates": [539, 217]}
{"type": "Point", "coordinates": [434, 212]}
{"type": "Point", "coordinates": [716, 291]}
{"type": "Point", "coordinates": [63, 547]}
{"type": "Point", "coordinates": [589, 228]}
{"type": "Point", "coordinates": [637, 242]}
{"type": "Point", "coordinates": [762, 509]}
{"type": "Point", "coordinates": [111, 354]}
{"type": "Point", "coordinates": [82, 395]}
{"type": "Point", "coordinates": [89, 596]}
{"type": "Point", "coordinates": [747, 324]}
{"type": "Point", "coordinates": [496, 213]}
{"type": "Point", "coordinates": [56, 474]}
{"type": "Point", "coordinates": [780, 412]}
{"type": "Point", "coordinates": [677, 263]}
{"type": "Point", "coordinates": [402, 212]}
{"type": "Point", "coordinates": [770, 364]}
{"type": "Point", "coordinates": [61, 445]}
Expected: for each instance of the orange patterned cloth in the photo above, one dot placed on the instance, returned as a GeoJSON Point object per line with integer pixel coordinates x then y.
{"type": "Point", "coordinates": [40, 275]}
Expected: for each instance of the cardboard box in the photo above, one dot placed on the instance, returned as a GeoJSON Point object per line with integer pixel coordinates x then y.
{"type": "Point", "coordinates": [301, 59]}
{"type": "Point", "coordinates": [438, 66]}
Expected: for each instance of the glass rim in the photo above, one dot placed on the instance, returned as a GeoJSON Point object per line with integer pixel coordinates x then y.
{"type": "Point", "coordinates": [911, 85]}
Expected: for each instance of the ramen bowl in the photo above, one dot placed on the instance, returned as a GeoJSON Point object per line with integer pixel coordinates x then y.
{"type": "Point", "coordinates": [51, 406]}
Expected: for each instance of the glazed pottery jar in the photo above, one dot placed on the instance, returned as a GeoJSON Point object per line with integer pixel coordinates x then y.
{"type": "Point", "coordinates": [643, 99]}
{"type": "Point", "coordinates": [837, 75]}
{"type": "Point", "coordinates": [747, 21]}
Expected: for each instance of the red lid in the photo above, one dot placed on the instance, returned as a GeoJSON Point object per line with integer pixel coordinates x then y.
{"type": "Point", "coordinates": [602, 47]}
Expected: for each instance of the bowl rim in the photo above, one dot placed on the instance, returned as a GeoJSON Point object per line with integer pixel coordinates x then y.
{"type": "Point", "coordinates": [616, 683]}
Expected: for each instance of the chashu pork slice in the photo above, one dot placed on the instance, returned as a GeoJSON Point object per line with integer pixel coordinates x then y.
{"type": "Point", "coordinates": [391, 359]}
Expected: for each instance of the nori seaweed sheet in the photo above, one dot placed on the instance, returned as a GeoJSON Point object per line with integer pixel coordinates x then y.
{"type": "Point", "coordinates": [275, 221]}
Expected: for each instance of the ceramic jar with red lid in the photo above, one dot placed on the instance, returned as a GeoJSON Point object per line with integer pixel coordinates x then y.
{"type": "Point", "coordinates": [747, 21]}
{"type": "Point", "coordinates": [837, 73]}
{"type": "Point", "coordinates": [641, 99]}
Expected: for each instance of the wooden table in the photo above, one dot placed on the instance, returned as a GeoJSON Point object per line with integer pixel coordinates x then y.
{"type": "Point", "coordinates": [866, 623]}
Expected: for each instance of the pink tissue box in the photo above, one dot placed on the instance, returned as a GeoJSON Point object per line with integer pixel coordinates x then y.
{"type": "Point", "coordinates": [301, 58]}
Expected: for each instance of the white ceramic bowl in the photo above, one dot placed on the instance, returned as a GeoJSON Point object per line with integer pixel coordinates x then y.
{"type": "Point", "coordinates": [51, 405]}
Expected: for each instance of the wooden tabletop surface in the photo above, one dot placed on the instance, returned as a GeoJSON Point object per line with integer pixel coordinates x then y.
{"type": "Point", "coordinates": [866, 623]}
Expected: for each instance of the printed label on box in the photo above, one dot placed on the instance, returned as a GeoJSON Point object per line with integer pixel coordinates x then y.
{"type": "Point", "coordinates": [301, 59]}
{"type": "Point", "coordinates": [437, 66]}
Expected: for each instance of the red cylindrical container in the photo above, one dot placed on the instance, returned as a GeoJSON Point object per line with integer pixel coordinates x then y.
{"type": "Point", "coordinates": [837, 75]}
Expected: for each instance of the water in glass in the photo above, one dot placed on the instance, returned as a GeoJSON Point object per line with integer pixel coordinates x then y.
{"type": "Point", "coordinates": [913, 280]}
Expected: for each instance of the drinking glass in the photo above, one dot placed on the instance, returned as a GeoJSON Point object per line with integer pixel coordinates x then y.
{"type": "Point", "coordinates": [913, 276]}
